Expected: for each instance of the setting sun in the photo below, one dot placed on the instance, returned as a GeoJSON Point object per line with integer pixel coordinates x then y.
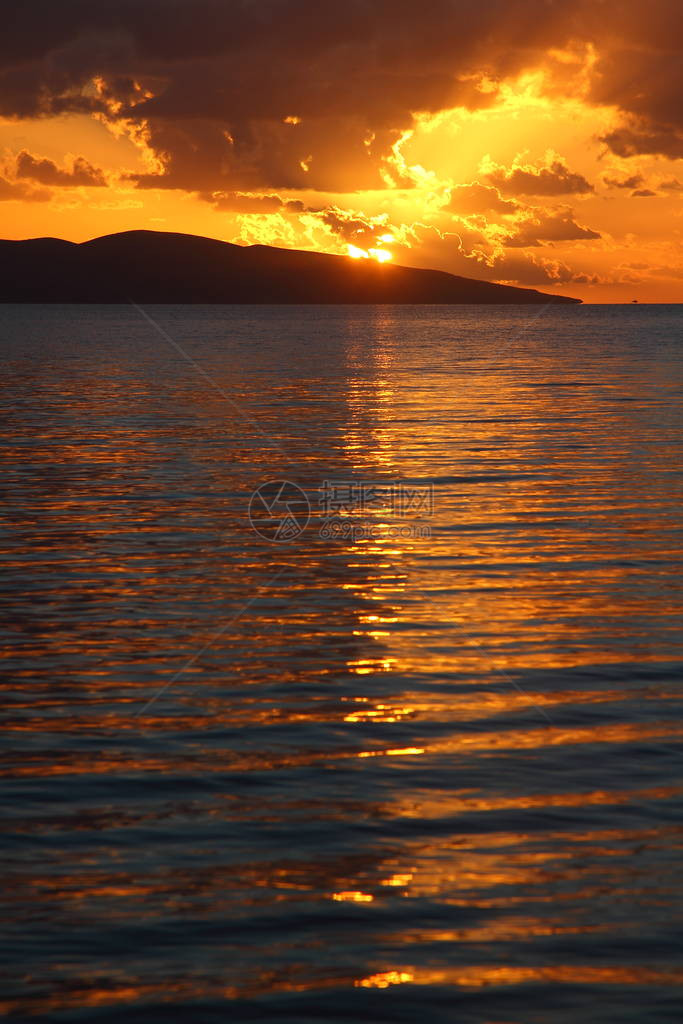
{"type": "Point", "coordinates": [380, 255]}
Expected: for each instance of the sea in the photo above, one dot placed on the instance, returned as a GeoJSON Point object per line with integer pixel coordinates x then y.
{"type": "Point", "coordinates": [342, 664]}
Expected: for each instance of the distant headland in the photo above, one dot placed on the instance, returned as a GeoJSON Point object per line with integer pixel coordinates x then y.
{"type": "Point", "coordinates": [165, 267]}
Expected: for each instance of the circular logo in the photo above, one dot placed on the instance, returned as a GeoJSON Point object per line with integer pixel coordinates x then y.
{"type": "Point", "coordinates": [279, 511]}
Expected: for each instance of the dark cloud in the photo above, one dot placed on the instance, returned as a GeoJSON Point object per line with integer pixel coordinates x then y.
{"type": "Point", "coordinates": [646, 82]}
{"type": "Point", "coordinates": [205, 154]}
{"type": "Point", "coordinates": [554, 180]}
{"type": "Point", "coordinates": [48, 173]}
{"type": "Point", "coordinates": [648, 139]}
{"type": "Point", "coordinates": [633, 182]}
{"type": "Point", "coordinates": [478, 198]}
{"type": "Point", "coordinates": [644, 193]}
{"type": "Point", "coordinates": [194, 71]}
{"type": "Point", "coordinates": [556, 226]}
{"type": "Point", "coordinates": [13, 190]}
{"type": "Point", "coordinates": [516, 267]}
{"type": "Point", "coordinates": [190, 71]}
{"type": "Point", "coordinates": [240, 202]}
{"type": "Point", "coordinates": [354, 228]}
{"type": "Point", "coordinates": [530, 270]}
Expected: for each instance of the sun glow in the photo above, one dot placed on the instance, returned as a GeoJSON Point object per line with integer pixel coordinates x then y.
{"type": "Point", "coordinates": [381, 255]}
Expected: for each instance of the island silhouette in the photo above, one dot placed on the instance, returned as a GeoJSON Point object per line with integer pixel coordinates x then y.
{"type": "Point", "coordinates": [167, 267]}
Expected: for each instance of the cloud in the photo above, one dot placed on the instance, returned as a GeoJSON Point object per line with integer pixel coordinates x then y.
{"type": "Point", "coordinates": [306, 224]}
{"type": "Point", "coordinates": [478, 198]}
{"type": "Point", "coordinates": [545, 226]}
{"type": "Point", "coordinates": [354, 228]}
{"type": "Point", "coordinates": [47, 172]}
{"type": "Point", "coordinates": [637, 183]}
{"type": "Point", "coordinates": [553, 179]}
{"type": "Point", "coordinates": [244, 202]}
{"type": "Point", "coordinates": [446, 250]}
{"type": "Point", "coordinates": [643, 76]}
{"type": "Point", "coordinates": [649, 139]}
{"type": "Point", "coordinates": [535, 270]}
{"type": "Point", "coordinates": [634, 181]}
{"type": "Point", "coordinates": [190, 73]}
{"type": "Point", "coordinates": [17, 190]}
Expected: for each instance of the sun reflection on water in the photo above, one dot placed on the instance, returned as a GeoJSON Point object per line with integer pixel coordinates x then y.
{"type": "Point", "coordinates": [354, 782]}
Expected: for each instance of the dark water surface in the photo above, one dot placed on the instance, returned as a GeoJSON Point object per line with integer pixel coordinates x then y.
{"type": "Point", "coordinates": [389, 777]}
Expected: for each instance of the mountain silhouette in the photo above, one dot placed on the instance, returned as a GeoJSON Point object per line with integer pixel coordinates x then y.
{"type": "Point", "coordinates": [165, 267]}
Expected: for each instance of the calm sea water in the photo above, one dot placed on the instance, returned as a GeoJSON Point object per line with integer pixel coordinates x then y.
{"type": "Point", "coordinates": [426, 765]}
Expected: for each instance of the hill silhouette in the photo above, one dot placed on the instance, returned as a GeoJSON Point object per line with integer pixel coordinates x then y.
{"type": "Point", "coordinates": [165, 267]}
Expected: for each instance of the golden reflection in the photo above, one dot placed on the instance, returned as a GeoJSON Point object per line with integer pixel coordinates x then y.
{"type": "Point", "coordinates": [442, 805]}
{"type": "Point", "coordinates": [381, 661]}
{"type": "Point", "coordinates": [367, 666]}
{"type": "Point", "coordinates": [401, 880]}
{"type": "Point", "coordinates": [392, 752]}
{"type": "Point", "coordinates": [296, 978]}
{"type": "Point", "coordinates": [483, 976]}
{"type": "Point", "coordinates": [352, 897]}
{"type": "Point", "coordinates": [386, 978]}
{"type": "Point", "coordinates": [516, 619]}
{"type": "Point", "coordinates": [380, 713]}
{"type": "Point", "coordinates": [28, 765]}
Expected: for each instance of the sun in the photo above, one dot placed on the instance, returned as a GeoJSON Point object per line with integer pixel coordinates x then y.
{"type": "Point", "coordinates": [380, 255]}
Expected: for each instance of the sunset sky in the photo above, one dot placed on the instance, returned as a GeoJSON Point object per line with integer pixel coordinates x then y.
{"type": "Point", "coordinates": [535, 142]}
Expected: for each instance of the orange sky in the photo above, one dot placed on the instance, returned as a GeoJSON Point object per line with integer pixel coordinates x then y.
{"type": "Point", "coordinates": [537, 162]}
